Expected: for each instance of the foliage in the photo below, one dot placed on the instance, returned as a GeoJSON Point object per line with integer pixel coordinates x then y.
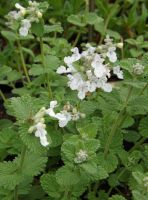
{"type": "Point", "coordinates": [54, 145]}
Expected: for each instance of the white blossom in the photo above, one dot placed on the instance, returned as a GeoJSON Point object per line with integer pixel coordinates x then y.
{"type": "Point", "coordinates": [118, 72]}
{"type": "Point", "coordinates": [89, 70]}
{"type": "Point", "coordinates": [64, 117]}
{"type": "Point", "coordinates": [111, 54]}
{"type": "Point", "coordinates": [99, 67]}
{"type": "Point", "coordinates": [81, 156]}
{"type": "Point", "coordinates": [50, 110]}
{"type": "Point", "coordinates": [102, 83]}
{"type": "Point", "coordinates": [41, 133]}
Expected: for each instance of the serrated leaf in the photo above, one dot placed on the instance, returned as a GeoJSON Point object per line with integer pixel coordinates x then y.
{"type": "Point", "coordinates": [9, 35]}
{"type": "Point", "coordinates": [109, 163]}
{"type": "Point", "coordinates": [117, 197]}
{"type": "Point", "coordinates": [143, 127]}
{"type": "Point", "coordinates": [67, 177]}
{"type": "Point", "coordinates": [50, 185]}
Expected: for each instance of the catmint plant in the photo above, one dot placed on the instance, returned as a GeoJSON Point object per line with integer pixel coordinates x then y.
{"type": "Point", "coordinates": [91, 69]}
{"type": "Point", "coordinates": [74, 104]}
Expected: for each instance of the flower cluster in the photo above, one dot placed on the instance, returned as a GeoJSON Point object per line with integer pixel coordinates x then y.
{"type": "Point", "coordinates": [138, 69]}
{"type": "Point", "coordinates": [23, 17]}
{"type": "Point", "coordinates": [67, 114]}
{"type": "Point", "coordinates": [91, 69]}
{"type": "Point", "coordinates": [81, 156]}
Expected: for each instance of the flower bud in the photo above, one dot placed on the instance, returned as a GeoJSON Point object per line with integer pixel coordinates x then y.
{"type": "Point", "coordinates": [120, 45]}
{"type": "Point", "coordinates": [39, 14]}
{"type": "Point", "coordinates": [138, 69]}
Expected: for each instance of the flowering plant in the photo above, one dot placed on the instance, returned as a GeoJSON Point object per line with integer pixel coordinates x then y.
{"type": "Point", "coordinates": [74, 101]}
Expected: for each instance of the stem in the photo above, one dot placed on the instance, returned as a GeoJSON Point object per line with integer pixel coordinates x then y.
{"type": "Point", "coordinates": [3, 96]}
{"type": "Point", "coordinates": [107, 20]}
{"type": "Point", "coordinates": [142, 91]}
{"type": "Point", "coordinates": [87, 5]}
{"type": "Point", "coordinates": [43, 62]}
{"type": "Point", "coordinates": [117, 124]}
{"type": "Point", "coordinates": [90, 27]}
{"type": "Point", "coordinates": [137, 144]}
{"type": "Point", "coordinates": [22, 158]}
{"type": "Point", "coordinates": [77, 39]}
{"type": "Point", "coordinates": [23, 61]}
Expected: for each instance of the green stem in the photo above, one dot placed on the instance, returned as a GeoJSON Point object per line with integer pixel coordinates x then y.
{"type": "Point", "coordinates": [22, 158]}
{"type": "Point", "coordinates": [142, 91]}
{"type": "Point", "coordinates": [87, 5]}
{"type": "Point", "coordinates": [3, 96]}
{"type": "Point", "coordinates": [43, 62]}
{"type": "Point", "coordinates": [137, 144]}
{"type": "Point", "coordinates": [117, 124]}
{"type": "Point", "coordinates": [107, 20]}
{"type": "Point", "coordinates": [90, 27]}
{"type": "Point", "coordinates": [23, 61]}
{"type": "Point", "coordinates": [77, 39]}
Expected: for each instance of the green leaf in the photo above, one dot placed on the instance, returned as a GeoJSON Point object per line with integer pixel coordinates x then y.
{"type": "Point", "coordinates": [33, 164]}
{"type": "Point", "coordinates": [23, 108]}
{"type": "Point", "coordinates": [138, 105]}
{"type": "Point", "coordinates": [32, 142]}
{"type": "Point", "coordinates": [14, 76]}
{"type": "Point", "coordinates": [137, 195]}
{"type": "Point", "coordinates": [143, 127]}
{"type": "Point", "coordinates": [67, 177]}
{"type": "Point", "coordinates": [12, 37]}
{"type": "Point", "coordinates": [93, 18]}
{"type": "Point", "coordinates": [78, 20]}
{"type": "Point", "coordinates": [53, 28]}
{"type": "Point", "coordinates": [50, 185]}
{"type": "Point", "coordinates": [117, 197]}
{"type": "Point", "coordinates": [38, 28]}
{"type": "Point", "coordinates": [4, 70]}
{"type": "Point", "coordinates": [109, 163]}
{"type": "Point", "coordinates": [9, 177]}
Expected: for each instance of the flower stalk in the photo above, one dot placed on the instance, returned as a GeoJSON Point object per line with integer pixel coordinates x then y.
{"type": "Point", "coordinates": [118, 123]}
{"type": "Point", "coordinates": [43, 62]}
{"type": "Point", "coordinates": [23, 61]}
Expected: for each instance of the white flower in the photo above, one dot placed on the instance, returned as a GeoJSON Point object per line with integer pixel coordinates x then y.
{"type": "Point", "coordinates": [118, 72]}
{"type": "Point", "coordinates": [73, 58]}
{"type": "Point", "coordinates": [92, 81]}
{"type": "Point", "coordinates": [99, 67]}
{"type": "Point", "coordinates": [102, 83]}
{"type": "Point", "coordinates": [14, 15]}
{"type": "Point", "coordinates": [23, 31]}
{"type": "Point", "coordinates": [41, 133]}
{"type": "Point", "coordinates": [75, 81]}
{"type": "Point", "coordinates": [21, 8]}
{"type": "Point", "coordinates": [81, 156]}
{"type": "Point", "coordinates": [63, 70]}
{"type": "Point", "coordinates": [111, 54]}
{"type": "Point", "coordinates": [82, 90]}
{"type": "Point", "coordinates": [64, 117]}
{"type": "Point", "coordinates": [90, 50]}
{"type": "Point", "coordinates": [50, 110]}
{"type": "Point", "coordinates": [25, 27]}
